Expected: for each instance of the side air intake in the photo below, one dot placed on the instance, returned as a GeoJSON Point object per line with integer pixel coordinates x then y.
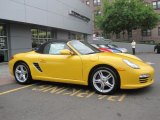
{"type": "Point", "coordinates": [37, 66]}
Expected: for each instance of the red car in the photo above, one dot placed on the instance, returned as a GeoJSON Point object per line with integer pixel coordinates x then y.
{"type": "Point", "coordinates": [104, 50]}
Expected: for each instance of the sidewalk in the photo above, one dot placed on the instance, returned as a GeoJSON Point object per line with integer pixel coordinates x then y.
{"type": "Point", "coordinates": [5, 77]}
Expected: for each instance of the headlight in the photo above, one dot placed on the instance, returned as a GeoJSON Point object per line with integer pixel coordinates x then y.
{"type": "Point", "coordinates": [131, 64]}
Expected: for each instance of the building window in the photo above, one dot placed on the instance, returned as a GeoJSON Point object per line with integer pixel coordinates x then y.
{"type": "Point", "coordinates": [71, 36]}
{"type": "Point", "coordinates": [97, 12]}
{"type": "Point", "coordinates": [97, 2]}
{"type": "Point", "coordinates": [77, 36]}
{"type": "Point", "coordinates": [130, 34]}
{"type": "Point", "coordinates": [87, 3]}
{"type": "Point", "coordinates": [40, 36]}
{"type": "Point", "coordinates": [2, 30]}
{"type": "Point", "coordinates": [118, 36]}
{"type": "Point", "coordinates": [84, 36]}
{"type": "Point", "coordinates": [146, 32]}
{"type": "Point", "coordinates": [158, 31]}
{"type": "Point", "coordinates": [3, 43]}
{"type": "Point", "coordinates": [108, 36]}
{"type": "Point", "coordinates": [156, 4]}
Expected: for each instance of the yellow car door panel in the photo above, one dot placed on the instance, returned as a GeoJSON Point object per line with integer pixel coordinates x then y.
{"type": "Point", "coordinates": [61, 66]}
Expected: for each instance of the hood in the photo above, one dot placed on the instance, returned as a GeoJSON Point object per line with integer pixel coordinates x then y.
{"type": "Point", "coordinates": [130, 56]}
{"type": "Point", "coordinates": [119, 55]}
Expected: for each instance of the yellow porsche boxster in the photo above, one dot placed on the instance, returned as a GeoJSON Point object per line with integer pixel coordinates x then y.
{"type": "Point", "coordinates": [78, 62]}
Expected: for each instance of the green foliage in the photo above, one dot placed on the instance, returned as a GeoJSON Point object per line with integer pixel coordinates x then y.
{"type": "Point", "coordinates": [126, 15]}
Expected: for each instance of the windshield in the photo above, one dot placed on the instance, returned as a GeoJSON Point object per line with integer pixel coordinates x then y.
{"type": "Point", "coordinates": [83, 47]}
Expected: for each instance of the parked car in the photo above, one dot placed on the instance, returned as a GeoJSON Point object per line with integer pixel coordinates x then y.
{"type": "Point", "coordinates": [101, 48]}
{"type": "Point", "coordinates": [105, 50]}
{"type": "Point", "coordinates": [78, 62]}
{"type": "Point", "coordinates": [108, 44]}
{"type": "Point", "coordinates": [107, 47]}
{"type": "Point", "coordinates": [123, 50]}
{"type": "Point", "coordinates": [157, 48]}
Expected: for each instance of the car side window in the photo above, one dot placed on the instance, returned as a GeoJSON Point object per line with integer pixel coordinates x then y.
{"type": "Point", "coordinates": [54, 48]}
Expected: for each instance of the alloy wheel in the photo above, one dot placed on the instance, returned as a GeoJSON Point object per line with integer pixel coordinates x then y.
{"type": "Point", "coordinates": [21, 73]}
{"type": "Point", "coordinates": [103, 81]}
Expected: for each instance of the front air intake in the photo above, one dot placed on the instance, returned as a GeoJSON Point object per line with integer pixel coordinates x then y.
{"type": "Point", "coordinates": [144, 78]}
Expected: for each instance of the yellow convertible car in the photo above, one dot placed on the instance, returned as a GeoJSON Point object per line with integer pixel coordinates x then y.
{"type": "Point", "coordinates": [78, 62]}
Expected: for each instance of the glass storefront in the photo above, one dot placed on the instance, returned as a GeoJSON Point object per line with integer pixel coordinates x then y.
{"type": "Point", "coordinates": [39, 36]}
{"type": "Point", "coordinates": [3, 44]}
{"type": "Point", "coordinates": [77, 36]}
{"type": "Point", "coordinates": [71, 36]}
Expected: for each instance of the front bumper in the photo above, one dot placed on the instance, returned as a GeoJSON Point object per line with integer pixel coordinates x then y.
{"type": "Point", "coordinates": [132, 79]}
{"type": "Point", "coordinates": [136, 86]}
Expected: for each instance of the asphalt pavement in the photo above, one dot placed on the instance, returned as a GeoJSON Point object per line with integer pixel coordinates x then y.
{"type": "Point", "coordinates": [56, 101]}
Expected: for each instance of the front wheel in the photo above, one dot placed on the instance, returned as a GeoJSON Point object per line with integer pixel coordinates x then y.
{"type": "Point", "coordinates": [104, 80]}
{"type": "Point", "coordinates": [22, 73]}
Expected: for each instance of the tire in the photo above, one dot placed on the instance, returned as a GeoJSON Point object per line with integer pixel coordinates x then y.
{"type": "Point", "coordinates": [22, 73]}
{"type": "Point", "coordinates": [104, 80]}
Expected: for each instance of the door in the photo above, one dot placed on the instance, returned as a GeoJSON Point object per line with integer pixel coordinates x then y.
{"type": "Point", "coordinates": [62, 67]}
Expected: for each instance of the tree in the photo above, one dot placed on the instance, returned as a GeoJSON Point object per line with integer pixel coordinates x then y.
{"type": "Point", "coordinates": [126, 15]}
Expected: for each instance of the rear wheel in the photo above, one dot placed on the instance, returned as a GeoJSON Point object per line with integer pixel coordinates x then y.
{"type": "Point", "coordinates": [22, 73]}
{"type": "Point", "coordinates": [104, 80]}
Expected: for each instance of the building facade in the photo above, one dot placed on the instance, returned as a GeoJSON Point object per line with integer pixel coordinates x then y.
{"type": "Point", "coordinates": [138, 35]}
{"type": "Point", "coordinates": [26, 23]}
{"type": "Point", "coordinates": [96, 7]}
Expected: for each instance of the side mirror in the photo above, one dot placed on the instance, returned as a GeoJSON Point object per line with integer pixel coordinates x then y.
{"type": "Point", "coordinates": [66, 52]}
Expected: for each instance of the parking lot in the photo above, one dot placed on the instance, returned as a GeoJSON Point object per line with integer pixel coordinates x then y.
{"type": "Point", "coordinates": [55, 101]}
